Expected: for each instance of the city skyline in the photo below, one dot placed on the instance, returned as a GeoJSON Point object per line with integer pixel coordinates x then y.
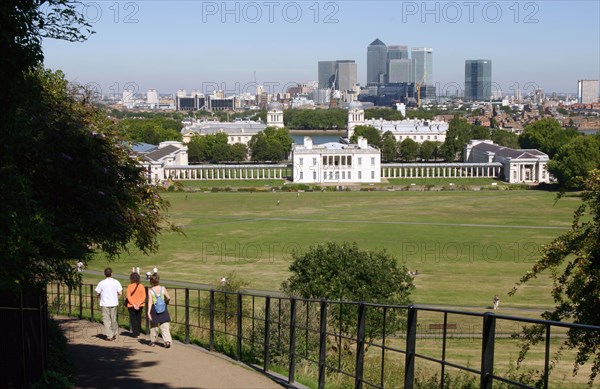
{"type": "Point", "coordinates": [174, 45]}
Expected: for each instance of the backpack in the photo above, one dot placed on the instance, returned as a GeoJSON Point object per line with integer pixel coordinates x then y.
{"type": "Point", "coordinates": [160, 304]}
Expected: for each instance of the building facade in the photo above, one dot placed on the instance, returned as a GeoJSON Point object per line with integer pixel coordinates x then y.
{"type": "Point", "coordinates": [240, 131]}
{"type": "Point", "coordinates": [422, 58]}
{"type": "Point", "coordinates": [155, 159]}
{"type": "Point", "coordinates": [587, 91]}
{"type": "Point", "coordinates": [336, 163]}
{"type": "Point", "coordinates": [478, 79]}
{"type": "Point", "coordinates": [518, 165]}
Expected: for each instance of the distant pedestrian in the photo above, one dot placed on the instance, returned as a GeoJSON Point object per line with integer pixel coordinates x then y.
{"type": "Point", "coordinates": [496, 302]}
{"type": "Point", "coordinates": [108, 291]}
{"type": "Point", "coordinates": [79, 266]}
{"type": "Point", "coordinates": [148, 274]}
{"type": "Point", "coordinates": [277, 202]}
{"type": "Point", "coordinates": [155, 270]}
{"type": "Point", "coordinates": [223, 281]}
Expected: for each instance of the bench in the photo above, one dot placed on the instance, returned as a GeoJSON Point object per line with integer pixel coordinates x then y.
{"type": "Point", "coordinates": [440, 326]}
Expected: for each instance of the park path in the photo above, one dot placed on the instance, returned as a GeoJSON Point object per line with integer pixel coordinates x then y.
{"type": "Point", "coordinates": [132, 363]}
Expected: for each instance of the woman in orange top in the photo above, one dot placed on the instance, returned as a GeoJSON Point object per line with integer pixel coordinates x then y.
{"type": "Point", "coordinates": [136, 297]}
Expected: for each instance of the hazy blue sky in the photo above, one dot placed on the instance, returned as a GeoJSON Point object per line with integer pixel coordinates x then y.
{"type": "Point", "coordinates": [168, 45]}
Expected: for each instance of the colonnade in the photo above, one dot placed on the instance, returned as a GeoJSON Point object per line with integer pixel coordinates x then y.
{"type": "Point", "coordinates": [441, 170]}
{"type": "Point", "coordinates": [227, 172]}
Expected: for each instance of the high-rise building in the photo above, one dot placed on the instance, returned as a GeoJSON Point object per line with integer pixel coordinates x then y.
{"type": "Point", "coordinates": [343, 71]}
{"type": "Point", "coordinates": [326, 74]}
{"type": "Point", "coordinates": [587, 91]}
{"type": "Point", "coordinates": [376, 62]}
{"type": "Point", "coordinates": [397, 52]}
{"type": "Point", "coordinates": [152, 98]}
{"type": "Point", "coordinates": [346, 75]}
{"type": "Point", "coordinates": [478, 79]}
{"type": "Point", "coordinates": [422, 65]}
{"type": "Point", "coordinates": [400, 70]}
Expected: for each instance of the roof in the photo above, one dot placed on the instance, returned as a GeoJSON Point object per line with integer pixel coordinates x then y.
{"type": "Point", "coordinates": [377, 42]}
{"type": "Point", "coordinates": [507, 152]}
{"type": "Point", "coordinates": [161, 153]}
{"type": "Point", "coordinates": [205, 128]}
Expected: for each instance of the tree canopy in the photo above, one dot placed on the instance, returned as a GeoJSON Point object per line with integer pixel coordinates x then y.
{"type": "Point", "coordinates": [546, 135]}
{"type": "Point", "coordinates": [315, 119]}
{"type": "Point", "coordinates": [573, 162]}
{"type": "Point", "coordinates": [370, 133]}
{"type": "Point", "coordinates": [271, 144]}
{"type": "Point", "coordinates": [573, 260]}
{"type": "Point", "coordinates": [68, 185]}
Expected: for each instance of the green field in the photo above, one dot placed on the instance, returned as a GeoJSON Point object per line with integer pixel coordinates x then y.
{"type": "Point", "coordinates": [466, 245]}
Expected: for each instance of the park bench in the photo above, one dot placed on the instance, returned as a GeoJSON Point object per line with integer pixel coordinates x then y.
{"type": "Point", "coordinates": [440, 326]}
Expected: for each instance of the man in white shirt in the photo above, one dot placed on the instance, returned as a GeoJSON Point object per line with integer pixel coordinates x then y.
{"type": "Point", "coordinates": [108, 291]}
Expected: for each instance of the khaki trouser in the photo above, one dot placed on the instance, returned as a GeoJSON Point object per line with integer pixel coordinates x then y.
{"type": "Point", "coordinates": [164, 331]}
{"type": "Point", "coordinates": [109, 318]}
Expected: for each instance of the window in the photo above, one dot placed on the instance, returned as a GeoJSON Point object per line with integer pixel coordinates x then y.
{"type": "Point", "coordinates": [359, 161]}
{"type": "Point", "coordinates": [324, 160]}
{"type": "Point", "coordinates": [372, 174]}
{"type": "Point", "coordinates": [314, 161]}
{"type": "Point", "coordinates": [301, 161]}
{"type": "Point", "coordinates": [372, 161]}
{"type": "Point", "coordinates": [315, 176]}
{"type": "Point", "coordinates": [349, 160]}
{"type": "Point", "coordinates": [301, 175]}
{"type": "Point", "coordinates": [337, 175]}
{"type": "Point", "coordinates": [359, 175]}
{"type": "Point", "coordinates": [349, 175]}
{"type": "Point", "coordinates": [336, 160]}
{"type": "Point", "coordinates": [343, 175]}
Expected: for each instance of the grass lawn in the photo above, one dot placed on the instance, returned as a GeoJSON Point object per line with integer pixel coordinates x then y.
{"type": "Point", "coordinates": [467, 246]}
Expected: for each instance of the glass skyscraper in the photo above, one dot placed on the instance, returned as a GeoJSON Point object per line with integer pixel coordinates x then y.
{"type": "Point", "coordinates": [377, 55]}
{"type": "Point", "coordinates": [478, 79]}
{"type": "Point", "coordinates": [422, 65]}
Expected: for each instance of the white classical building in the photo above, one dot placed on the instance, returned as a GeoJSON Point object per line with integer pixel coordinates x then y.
{"type": "Point", "coordinates": [275, 115]}
{"type": "Point", "coordinates": [155, 159]}
{"type": "Point", "coordinates": [336, 162]}
{"type": "Point", "coordinates": [240, 131]}
{"type": "Point", "coordinates": [522, 165]}
{"type": "Point", "coordinates": [415, 129]}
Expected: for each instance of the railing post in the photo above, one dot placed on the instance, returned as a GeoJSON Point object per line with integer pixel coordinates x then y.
{"type": "Point", "coordinates": [147, 307]}
{"type": "Point", "coordinates": [322, 344]}
{"type": "Point", "coordinates": [360, 346]}
{"type": "Point", "coordinates": [239, 326]}
{"type": "Point", "coordinates": [211, 310]}
{"type": "Point", "coordinates": [80, 301]}
{"type": "Point", "coordinates": [58, 298]}
{"type": "Point", "coordinates": [70, 306]}
{"type": "Point", "coordinates": [487, 350]}
{"type": "Point", "coordinates": [547, 357]}
{"type": "Point", "coordinates": [292, 352]}
{"type": "Point", "coordinates": [92, 302]}
{"type": "Point", "coordinates": [267, 333]}
{"type": "Point", "coordinates": [187, 315]}
{"type": "Point", "coordinates": [411, 341]}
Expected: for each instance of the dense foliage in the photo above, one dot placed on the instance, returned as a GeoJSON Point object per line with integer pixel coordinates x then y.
{"type": "Point", "coordinates": [154, 130]}
{"type": "Point", "coordinates": [316, 119]}
{"type": "Point", "coordinates": [573, 260]}
{"type": "Point", "coordinates": [547, 136]}
{"type": "Point", "coordinates": [370, 133]}
{"type": "Point", "coordinates": [214, 148]}
{"type": "Point", "coordinates": [271, 144]}
{"type": "Point", "coordinates": [574, 160]}
{"type": "Point", "coordinates": [383, 113]}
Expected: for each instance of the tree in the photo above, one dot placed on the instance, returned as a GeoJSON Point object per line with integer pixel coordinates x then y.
{"type": "Point", "coordinates": [68, 186]}
{"type": "Point", "coordinates": [546, 135]}
{"type": "Point", "coordinates": [389, 147]}
{"type": "Point", "coordinates": [479, 132]}
{"type": "Point", "coordinates": [505, 138]}
{"type": "Point", "coordinates": [370, 133]}
{"type": "Point", "coordinates": [573, 259]}
{"type": "Point", "coordinates": [427, 150]}
{"type": "Point", "coordinates": [409, 149]}
{"type": "Point", "coordinates": [336, 271]}
{"type": "Point", "coordinates": [383, 113]}
{"type": "Point", "coordinates": [573, 162]}
{"type": "Point", "coordinates": [458, 134]}
{"type": "Point", "coordinates": [238, 152]}
{"type": "Point", "coordinates": [271, 144]}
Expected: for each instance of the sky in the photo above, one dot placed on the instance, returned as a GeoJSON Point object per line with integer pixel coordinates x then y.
{"type": "Point", "coordinates": [205, 45]}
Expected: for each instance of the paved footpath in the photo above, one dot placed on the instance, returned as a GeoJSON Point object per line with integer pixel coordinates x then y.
{"type": "Point", "coordinates": [132, 363]}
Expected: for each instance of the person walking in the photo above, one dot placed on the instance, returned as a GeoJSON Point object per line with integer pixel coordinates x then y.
{"type": "Point", "coordinates": [496, 302]}
{"type": "Point", "coordinates": [109, 291]}
{"type": "Point", "coordinates": [136, 297]}
{"type": "Point", "coordinates": [158, 312]}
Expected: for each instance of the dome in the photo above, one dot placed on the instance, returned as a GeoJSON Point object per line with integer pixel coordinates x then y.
{"type": "Point", "coordinates": [355, 105]}
{"type": "Point", "coordinates": [275, 106]}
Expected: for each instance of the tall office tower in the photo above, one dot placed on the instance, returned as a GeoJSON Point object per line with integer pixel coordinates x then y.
{"type": "Point", "coordinates": [326, 73]}
{"type": "Point", "coordinates": [478, 79]}
{"type": "Point", "coordinates": [376, 62]}
{"type": "Point", "coordinates": [400, 70]}
{"type": "Point", "coordinates": [422, 65]}
{"type": "Point", "coordinates": [152, 98]}
{"type": "Point", "coordinates": [587, 91]}
{"type": "Point", "coordinates": [397, 52]}
{"type": "Point", "coordinates": [346, 75]}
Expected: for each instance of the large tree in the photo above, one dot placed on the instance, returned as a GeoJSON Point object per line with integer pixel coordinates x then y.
{"type": "Point", "coordinates": [409, 150]}
{"type": "Point", "coordinates": [370, 133]}
{"type": "Point", "coordinates": [459, 133]}
{"type": "Point", "coordinates": [573, 162]}
{"type": "Point", "coordinates": [546, 135]}
{"type": "Point", "coordinates": [344, 272]}
{"type": "Point", "coordinates": [573, 260]}
{"type": "Point", "coordinates": [271, 144]}
{"type": "Point", "coordinates": [68, 185]}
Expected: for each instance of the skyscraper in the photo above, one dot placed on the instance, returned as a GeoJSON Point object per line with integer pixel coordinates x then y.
{"type": "Point", "coordinates": [397, 52]}
{"type": "Point", "coordinates": [326, 73]}
{"type": "Point", "coordinates": [587, 91]}
{"type": "Point", "coordinates": [346, 75]}
{"type": "Point", "coordinates": [343, 71]}
{"type": "Point", "coordinates": [400, 70]}
{"type": "Point", "coordinates": [478, 79]}
{"type": "Point", "coordinates": [422, 65]}
{"type": "Point", "coordinates": [376, 62]}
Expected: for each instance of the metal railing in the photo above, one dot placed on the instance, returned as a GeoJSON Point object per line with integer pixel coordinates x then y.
{"type": "Point", "coordinates": [345, 344]}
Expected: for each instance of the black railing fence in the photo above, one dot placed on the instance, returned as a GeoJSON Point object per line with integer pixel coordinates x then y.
{"type": "Point", "coordinates": [345, 344]}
